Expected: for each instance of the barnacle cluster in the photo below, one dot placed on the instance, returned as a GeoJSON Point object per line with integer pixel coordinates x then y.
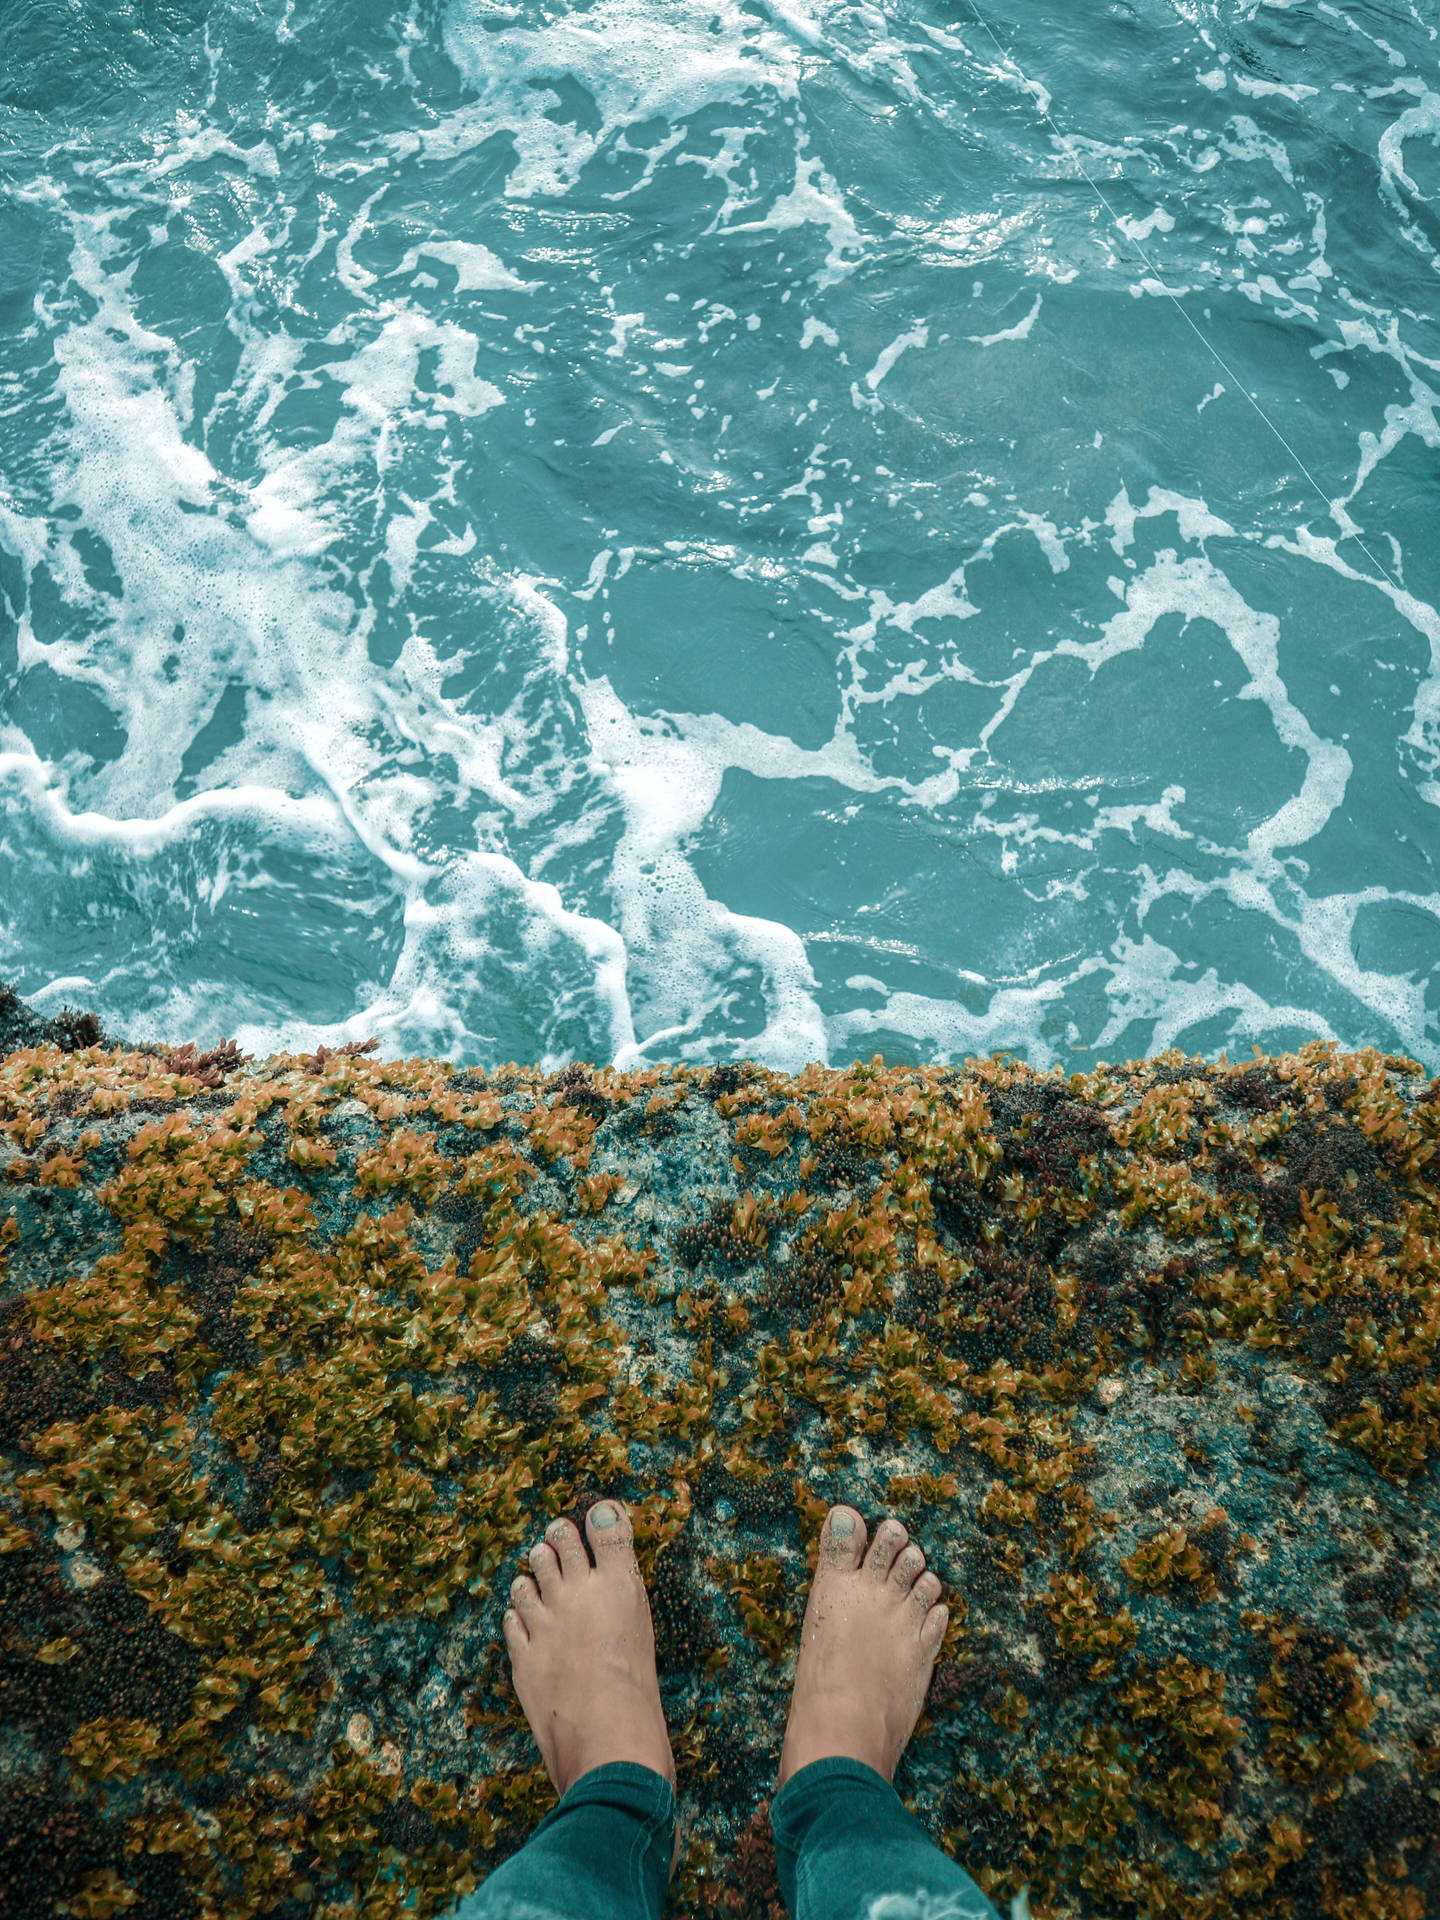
{"type": "Point", "coordinates": [298, 1357]}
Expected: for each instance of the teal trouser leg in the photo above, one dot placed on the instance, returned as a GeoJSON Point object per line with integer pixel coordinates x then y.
{"type": "Point", "coordinates": [602, 1854]}
{"type": "Point", "coordinates": [846, 1849]}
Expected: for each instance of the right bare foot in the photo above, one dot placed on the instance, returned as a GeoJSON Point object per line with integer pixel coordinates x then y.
{"type": "Point", "coordinates": [872, 1630]}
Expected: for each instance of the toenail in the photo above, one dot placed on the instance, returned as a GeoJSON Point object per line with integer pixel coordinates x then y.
{"type": "Point", "coordinates": [843, 1524]}
{"type": "Point", "coordinates": [604, 1516]}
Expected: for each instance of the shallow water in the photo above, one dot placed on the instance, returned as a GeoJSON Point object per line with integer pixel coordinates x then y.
{"type": "Point", "coordinates": [679, 528]}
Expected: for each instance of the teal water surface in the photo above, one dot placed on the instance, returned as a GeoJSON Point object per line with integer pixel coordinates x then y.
{"type": "Point", "coordinates": [690, 528]}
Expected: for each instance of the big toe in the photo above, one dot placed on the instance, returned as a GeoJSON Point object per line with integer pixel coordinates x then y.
{"type": "Point", "coordinates": [611, 1536]}
{"type": "Point", "coordinates": [843, 1541]}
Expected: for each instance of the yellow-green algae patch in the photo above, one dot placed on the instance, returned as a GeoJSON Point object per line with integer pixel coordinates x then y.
{"type": "Point", "coordinates": [299, 1357]}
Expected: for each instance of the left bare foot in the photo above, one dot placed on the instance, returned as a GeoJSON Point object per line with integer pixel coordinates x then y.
{"type": "Point", "coordinates": [582, 1650]}
{"type": "Point", "coordinates": [872, 1631]}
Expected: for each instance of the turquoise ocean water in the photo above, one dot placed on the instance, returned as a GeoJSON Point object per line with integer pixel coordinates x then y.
{"type": "Point", "coordinates": [691, 528]}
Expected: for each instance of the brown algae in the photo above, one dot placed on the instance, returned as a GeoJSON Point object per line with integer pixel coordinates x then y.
{"type": "Point", "coordinates": [300, 1356]}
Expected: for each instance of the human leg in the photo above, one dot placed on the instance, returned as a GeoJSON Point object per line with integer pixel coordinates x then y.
{"type": "Point", "coordinates": [845, 1847]}
{"type": "Point", "coordinates": [603, 1854]}
{"type": "Point", "coordinates": [582, 1651]}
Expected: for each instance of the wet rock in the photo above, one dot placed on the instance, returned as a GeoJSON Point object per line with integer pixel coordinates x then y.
{"type": "Point", "coordinates": [298, 1357]}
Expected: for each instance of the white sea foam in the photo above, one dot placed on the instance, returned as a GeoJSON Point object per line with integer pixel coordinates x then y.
{"type": "Point", "coordinates": [815, 199]}
{"type": "Point", "coordinates": [637, 59]}
{"type": "Point", "coordinates": [477, 269]}
{"type": "Point", "coordinates": [1020, 331]}
{"type": "Point", "coordinates": [918, 336]}
{"type": "Point", "coordinates": [1196, 589]}
{"type": "Point", "coordinates": [1148, 992]}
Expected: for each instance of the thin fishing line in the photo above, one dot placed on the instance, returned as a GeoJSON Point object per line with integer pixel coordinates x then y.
{"type": "Point", "coordinates": [1184, 313]}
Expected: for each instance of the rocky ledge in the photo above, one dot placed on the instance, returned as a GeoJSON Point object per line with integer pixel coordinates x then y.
{"type": "Point", "coordinates": [300, 1355]}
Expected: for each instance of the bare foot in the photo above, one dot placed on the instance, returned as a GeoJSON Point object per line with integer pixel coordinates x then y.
{"type": "Point", "coordinates": [582, 1651]}
{"type": "Point", "coordinates": [872, 1629]}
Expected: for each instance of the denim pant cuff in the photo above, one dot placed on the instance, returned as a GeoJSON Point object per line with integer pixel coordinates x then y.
{"type": "Point", "coordinates": [640, 1790]}
{"type": "Point", "coordinates": [845, 1847]}
{"type": "Point", "coordinates": [602, 1853]}
{"type": "Point", "coordinates": [806, 1792]}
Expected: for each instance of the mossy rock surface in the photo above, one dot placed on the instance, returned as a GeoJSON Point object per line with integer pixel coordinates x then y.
{"type": "Point", "coordinates": [300, 1356]}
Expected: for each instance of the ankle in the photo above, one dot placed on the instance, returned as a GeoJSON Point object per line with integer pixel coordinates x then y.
{"type": "Point", "coordinates": [856, 1742]}
{"type": "Point", "coordinates": [609, 1746]}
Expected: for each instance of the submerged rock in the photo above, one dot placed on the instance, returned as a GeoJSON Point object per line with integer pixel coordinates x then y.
{"type": "Point", "coordinates": [298, 1357]}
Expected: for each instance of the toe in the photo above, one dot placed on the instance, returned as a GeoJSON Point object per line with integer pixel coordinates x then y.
{"type": "Point", "coordinates": [525, 1598]}
{"type": "Point", "coordinates": [908, 1569]}
{"type": "Point", "coordinates": [612, 1538]}
{"type": "Point", "coordinates": [545, 1565]}
{"type": "Point", "coordinates": [517, 1634]}
{"type": "Point", "coordinates": [925, 1592]}
{"type": "Point", "coordinates": [843, 1541]}
{"type": "Point", "coordinates": [889, 1543]}
{"type": "Point", "coordinates": [933, 1631]}
{"type": "Point", "coordinates": [568, 1547]}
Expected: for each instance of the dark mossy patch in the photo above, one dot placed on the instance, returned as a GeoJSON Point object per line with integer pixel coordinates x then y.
{"type": "Point", "coordinates": [298, 1357]}
{"type": "Point", "coordinates": [21, 1026]}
